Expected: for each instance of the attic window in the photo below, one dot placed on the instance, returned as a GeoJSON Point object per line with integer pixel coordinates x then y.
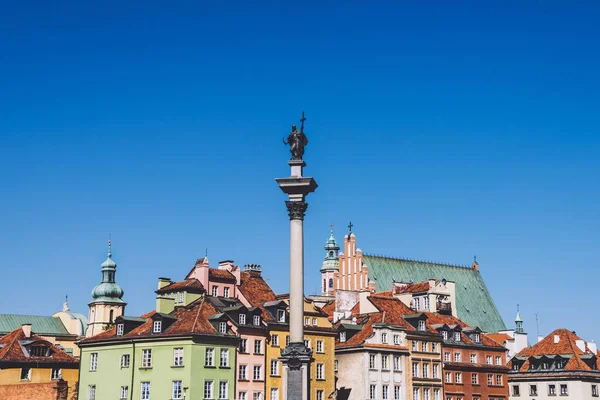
{"type": "Point", "coordinates": [242, 319]}
{"type": "Point", "coordinates": [476, 338]}
{"type": "Point", "coordinates": [157, 327]}
{"type": "Point", "coordinates": [342, 336]}
{"type": "Point", "coordinates": [38, 351]}
{"type": "Point", "coordinates": [457, 336]}
{"type": "Point", "coordinates": [281, 315]}
{"type": "Point", "coordinates": [222, 327]}
{"type": "Point", "coordinates": [257, 320]}
{"type": "Point", "coordinates": [421, 325]}
{"type": "Point", "coordinates": [120, 329]}
{"type": "Point", "coordinates": [226, 292]}
{"type": "Point", "coordinates": [445, 335]}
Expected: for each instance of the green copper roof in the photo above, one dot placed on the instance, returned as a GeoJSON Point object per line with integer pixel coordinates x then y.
{"type": "Point", "coordinates": [41, 325]}
{"type": "Point", "coordinates": [474, 303]}
{"type": "Point", "coordinates": [331, 261]}
{"type": "Point", "coordinates": [108, 290]}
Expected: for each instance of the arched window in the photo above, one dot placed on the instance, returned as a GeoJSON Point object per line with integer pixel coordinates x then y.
{"type": "Point", "coordinates": [331, 254]}
{"type": "Point", "coordinates": [110, 316]}
{"type": "Point", "coordinates": [331, 283]}
{"type": "Point", "coordinates": [324, 285]}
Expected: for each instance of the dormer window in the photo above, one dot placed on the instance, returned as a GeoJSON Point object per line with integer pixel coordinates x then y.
{"type": "Point", "coordinates": [476, 338]}
{"type": "Point", "coordinates": [445, 335]}
{"type": "Point", "coordinates": [226, 292]}
{"type": "Point", "coordinates": [215, 291]}
{"type": "Point", "coordinates": [560, 364]}
{"type": "Point", "coordinates": [457, 336]}
{"type": "Point", "coordinates": [257, 320]}
{"type": "Point", "coordinates": [281, 315]}
{"type": "Point", "coordinates": [417, 303]}
{"type": "Point", "coordinates": [223, 327]}
{"type": "Point", "coordinates": [342, 336]}
{"type": "Point", "coordinates": [242, 319]}
{"type": "Point", "coordinates": [421, 325]}
{"type": "Point", "coordinates": [157, 327]}
{"type": "Point", "coordinates": [384, 338]}
{"type": "Point", "coordinates": [38, 351]}
{"type": "Point", "coordinates": [120, 329]}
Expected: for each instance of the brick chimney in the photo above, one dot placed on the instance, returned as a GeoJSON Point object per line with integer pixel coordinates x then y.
{"type": "Point", "coordinates": [253, 269]}
{"type": "Point", "coordinates": [26, 330]}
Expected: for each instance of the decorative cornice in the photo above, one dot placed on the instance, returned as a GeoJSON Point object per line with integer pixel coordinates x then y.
{"type": "Point", "coordinates": [296, 209]}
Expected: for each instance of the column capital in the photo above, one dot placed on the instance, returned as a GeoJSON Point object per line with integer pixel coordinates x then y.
{"type": "Point", "coordinates": [296, 209]}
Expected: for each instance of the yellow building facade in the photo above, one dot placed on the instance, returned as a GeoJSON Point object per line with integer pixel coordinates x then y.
{"type": "Point", "coordinates": [319, 336]}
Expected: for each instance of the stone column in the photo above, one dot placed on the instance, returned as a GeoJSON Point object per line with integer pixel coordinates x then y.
{"type": "Point", "coordinates": [296, 357]}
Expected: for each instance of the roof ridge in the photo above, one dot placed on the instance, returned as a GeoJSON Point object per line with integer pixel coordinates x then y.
{"type": "Point", "coordinates": [418, 261]}
{"type": "Point", "coordinates": [197, 314]}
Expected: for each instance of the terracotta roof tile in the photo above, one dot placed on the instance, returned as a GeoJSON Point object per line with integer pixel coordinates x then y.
{"type": "Point", "coordinates": [257, 292]}
{"type": "Point", "coordinates": [221, 275]}
{"type": "Point", "coordinates": [190, 284]}
{"type": "Point", "coordinates": [11, 350]}
{"type": "Point", "coordinates": [499, 338]}
{"type": "Point", "coordinates": [412, 288]}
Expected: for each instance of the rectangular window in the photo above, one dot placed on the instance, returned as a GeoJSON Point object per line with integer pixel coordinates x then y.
{"type": "Point", "coordinates": [180, 297]}
{"type": "Point", "coordinates": [91, 392]}
{"type": "Point", "coordinates": [448, 377]}
{"type": "Point", "coordinates": [488, 359]}
{"type": "Point", "coordinates": [287, 340]}
{"type": "Point", "coordinates": [476, 338]}
{"type": "Point", "coordinates": [498, 360]}
{"type": "Point", "coordinates": [397, 340]}
{"type": "Point", "coordinates": [224, 360]}
{"type": "Point", "coordinates": [125, 361]}
{"type": "Point", "coordinates": [210, 358]}
{"type": "Point", "coordinates": [436, 394]}
{"type": "Point", "coordinates": [274, 340]}
{"type": "Point", "coordinates": [306, 320]}
{"type": "Point", "coordinates": [563, 390]}
{"type": "Point", "coordinates": [372, 361]}
{"type": "Point", "coordinates": [426, 393]}
{"type": "Point", "coordinates": [499, 381]}
{"type": "Point", "coordinates": [93, 362]}
{"type": "Point", "coordinates": [281, 315]}
{"type": "Point", "coordinates": [156, 327]}
{"type": "Point", "coordinates": [446, 356]}
{"type": "Point", "coordinates": [415, 345]}
{"type": "Point", "coordinates": [426, 303]}
{"type": "Point", "coordinates": [124, 393]}
{"type": "Point", "coordinates": [417, 303]}
{"type": "Point", "coordinates": [257, 396]}
{"type": "Point", "coordinates": [215, 291]}
{"type": "Point", "coordinates": [516, 390]}
{"type": "Point", "coordinates": [243, 373]}
{"type": "Point", "coordinates": [490, 379]}
{"type": "Point", "coordinates": [456, 357]}
{"type": "Point", "coordinates": [256, 320]}
{"type": "Point", "coordinates": [473, 358]}
{"type": "Point", "coordinates": [533, 390]}
{"type": "Point", "coordinates": [25, 374]}
{"type": "Point", "coordinates": [320, 395]}
{"type": "Point", "coordinates": [415, 370]}
{"type": "Point", "coordinates": [425, 370]}
{"type": "Point", "coordinates": [342, 336]}
{"type": "Point", "coordinates": [226, 292]}
{"type": "Point", "coordinates": [475, 379]}
{"type": "Point", "coordinates": [320, 346]}
{"type": "Point", "coordinates": [385, 392]}
{"type": "Point", "coordinates": [147, 358]}
{"type": "Point", "coordinates": [320, 371]}
{"type": "Point", "coordinates": [434, 347]}
{"type": "Point", "coordinates": [307, 343]}
{"type": "Point", "coordinates": [384, 361]}
{"type": "Point", "coordinates": [416, 393]}
{"type": "Point", "coordinates": [242, 319]}
{"type": "Point", "coordinates": [445, 335]}
{"type": "Point", "coordinates": [222, 328]}
{"type": "Point", "coordinates": [457, 336]}
{"type": "Point", "coordinates": [274, 368]}
{"type": "Point", "coordinates": [384, 338]}
{"type": "Point", "coordinates": [178, 356]}
{"type": "Point", "coordinates": [223, 390]}
{"type": "Point", "coordinates": [208, 389]}
{"type": "Point", "coordinates": [275, 394]}
{"type": "Point", "coordinates": [335, 365]}
{"type": "Point", "coordinates": [397, 392]}
{"type": "Point", "coordinates": [595, 390]}
{"type": "Point", "coordinates": [120, 329]}
{"type": "Point", "coordinates": [458, 377]}
{"type": "Point", "coordinates": [258, 347]}
{"type": "Point", "coordinates": [396, 363]}
{"type": "Point", "coordinates": [177, 390]}
{"type": "Point", "coordinates": [436, 371]}
{"type": "Point", "coordinates": [424, 346]}
{"type": "Point", "coordinates": [421, 325]}
{"type": "Point", "coordinates": [257, 375]}
{"type": "Point", "coordinates": [56, 374]}
{"type": "Point", "coordinates": [372, 392]}
{"type": "Point", "coordinates": [552, 390]}
{"type": "Point", "coordinates": [243, 345]}
{"type": "Point", "coordinates": [314, 322]}
{"type": "Point", "coordinates": [145, 391]}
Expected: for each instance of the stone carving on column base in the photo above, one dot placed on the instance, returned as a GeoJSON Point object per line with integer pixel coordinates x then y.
{"type": "Point", "coordinates": [295, 354]}
{"type": "Point", "coordinates": [296, 209]}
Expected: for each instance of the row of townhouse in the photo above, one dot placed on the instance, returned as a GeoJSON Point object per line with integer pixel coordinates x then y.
{"type": "Point", "coordinates": [217, 334]}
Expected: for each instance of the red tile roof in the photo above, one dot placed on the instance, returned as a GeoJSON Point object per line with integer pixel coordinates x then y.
{"type": "Point", "coordinates": [412, 288]}
{"type": "Point", "coordinates": [192, 319]}
{"type": "Point", "coordinates": [221, 275]}
{"type": "Point", "coordinates": [256, 291]}
{"type": "Point", "coordinates": [499, 338]}
{"type": "Point", "coordinates": [189, 284]}
{"type": "Point", "coordinates": [567, 345]}
{"type": "Point", "coordinates": [11, 350]}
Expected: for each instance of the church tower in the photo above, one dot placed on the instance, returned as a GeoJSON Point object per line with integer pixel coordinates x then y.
{"type": "Point", "coordinates": [330, 267]}
{"type": "Point", "coordinates": [518, 322]}
{"type": "Point", "coordinates": [106, 305]}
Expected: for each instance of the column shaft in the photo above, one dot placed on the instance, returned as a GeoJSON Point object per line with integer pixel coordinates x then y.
{"type": "Point", "coordinates": [296, 281]}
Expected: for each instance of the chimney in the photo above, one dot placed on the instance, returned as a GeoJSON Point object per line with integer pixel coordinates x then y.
{"type": "Point", "coordinates": [164, 304]}
{"type": "Point", "coordinates": [200, 271]}
{"type": "Point", "coordinates": [162, 282]}
{"type": "Point", "coordinates": [581, 344]}
{"type": "Point", "coordinates": [556, 338]}
{"type": "Point", "coordinates": [475, 266]}
{"type": "Point", "coordinates": [253, 269]}
{"type": "Point", "coordinates": [593, 347]}
{"type": "Point", "coordinates": [227, 265]}
{"type": "Point", "coordinates": [540, 338]}
{"type": "Point", "coordinates": [26, 330]}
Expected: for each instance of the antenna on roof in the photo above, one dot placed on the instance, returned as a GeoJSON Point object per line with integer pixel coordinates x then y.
{"type": "Point", "coordinates": [206, 252]}
{"type": "Point", "coordinates": [537, 324]}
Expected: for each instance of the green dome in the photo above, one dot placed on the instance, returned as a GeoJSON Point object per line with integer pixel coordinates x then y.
{"type": "Point", "coordinates": [108, 291]}
{"type": "Point", "coordinates": [332, 249]}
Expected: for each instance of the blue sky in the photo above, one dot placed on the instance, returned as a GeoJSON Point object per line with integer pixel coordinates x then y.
{"type": "Point", "coordinates": [442, 131]}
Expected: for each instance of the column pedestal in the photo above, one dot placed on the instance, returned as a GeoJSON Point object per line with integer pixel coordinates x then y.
{"type": "Point", "coordinates": [296, 359]}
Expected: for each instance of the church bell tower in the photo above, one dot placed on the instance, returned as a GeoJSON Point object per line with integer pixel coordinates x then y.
{"type": "Point", "coordinates": [330, 266]}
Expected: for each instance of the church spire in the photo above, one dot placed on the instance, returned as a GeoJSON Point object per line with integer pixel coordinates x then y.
{"type": "Point", "coordinates": [518, 322]}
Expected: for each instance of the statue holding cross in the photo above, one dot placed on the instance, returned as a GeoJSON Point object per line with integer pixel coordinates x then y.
{"type": "Point", "coordinates": [297, 140]}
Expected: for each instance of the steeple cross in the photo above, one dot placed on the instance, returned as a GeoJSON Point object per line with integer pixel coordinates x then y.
{"type": "Point", "coordinates": [302, 122]}
{"type": "Point", "coordinates": [331, 228]}
{"type": "Point", "coordinates": [350, 225]}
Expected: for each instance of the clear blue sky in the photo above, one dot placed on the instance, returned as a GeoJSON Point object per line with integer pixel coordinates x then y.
{"type": "Point", "coordinates": [441, 130]}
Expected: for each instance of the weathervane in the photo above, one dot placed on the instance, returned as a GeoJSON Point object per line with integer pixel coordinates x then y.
{"type": "Point", "coordinates": [297, 140]}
